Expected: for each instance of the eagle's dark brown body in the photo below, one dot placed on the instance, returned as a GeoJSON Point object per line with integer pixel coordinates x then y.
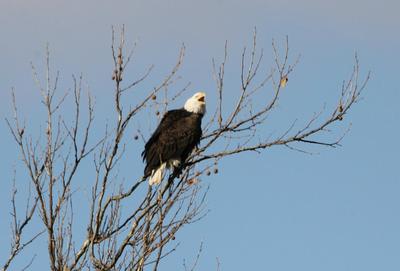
{"type": "Point", "coordinates": [176, 136]}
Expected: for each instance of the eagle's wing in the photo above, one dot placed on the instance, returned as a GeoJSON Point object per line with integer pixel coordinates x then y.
{"type": "Point", "coordinates": [167, 120]}
{"type": "Point", "coordinates": [175, 137]}
{"type": "Point", "coordinates": [180, 138]}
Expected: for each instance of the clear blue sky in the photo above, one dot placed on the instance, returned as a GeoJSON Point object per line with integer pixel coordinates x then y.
{"type": "Point", "coordinates": [280, 210]}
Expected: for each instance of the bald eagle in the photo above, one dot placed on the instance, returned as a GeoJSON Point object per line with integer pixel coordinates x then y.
{"type": "Point", "coordinates": [176, 136]}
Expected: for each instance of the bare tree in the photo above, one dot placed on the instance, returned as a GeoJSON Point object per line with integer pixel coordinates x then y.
{"type": "Point", "coordinates": [139, 237]}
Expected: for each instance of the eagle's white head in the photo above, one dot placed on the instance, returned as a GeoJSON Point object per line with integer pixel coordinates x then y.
{"type": "Point", "coordinates": [196, 103]}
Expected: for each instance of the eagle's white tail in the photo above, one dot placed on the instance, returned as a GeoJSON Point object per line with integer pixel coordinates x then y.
{"type": "Point", "coordinates": [158, 175]}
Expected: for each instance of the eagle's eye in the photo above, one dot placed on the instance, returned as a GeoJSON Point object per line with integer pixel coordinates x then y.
{"type": "Point", "coordinates": [201, 99]}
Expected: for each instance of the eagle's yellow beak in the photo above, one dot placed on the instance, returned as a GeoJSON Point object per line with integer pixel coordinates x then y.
{"type": "Point", "coordinates": [201, 96]}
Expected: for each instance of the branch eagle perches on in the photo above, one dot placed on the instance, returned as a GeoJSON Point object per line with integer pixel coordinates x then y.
{"type": "Point", "coordinates": [131, 227]}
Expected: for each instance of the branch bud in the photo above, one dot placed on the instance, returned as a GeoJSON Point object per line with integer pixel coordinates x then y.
{"type": "Point", "coordinates": [284, 81]}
